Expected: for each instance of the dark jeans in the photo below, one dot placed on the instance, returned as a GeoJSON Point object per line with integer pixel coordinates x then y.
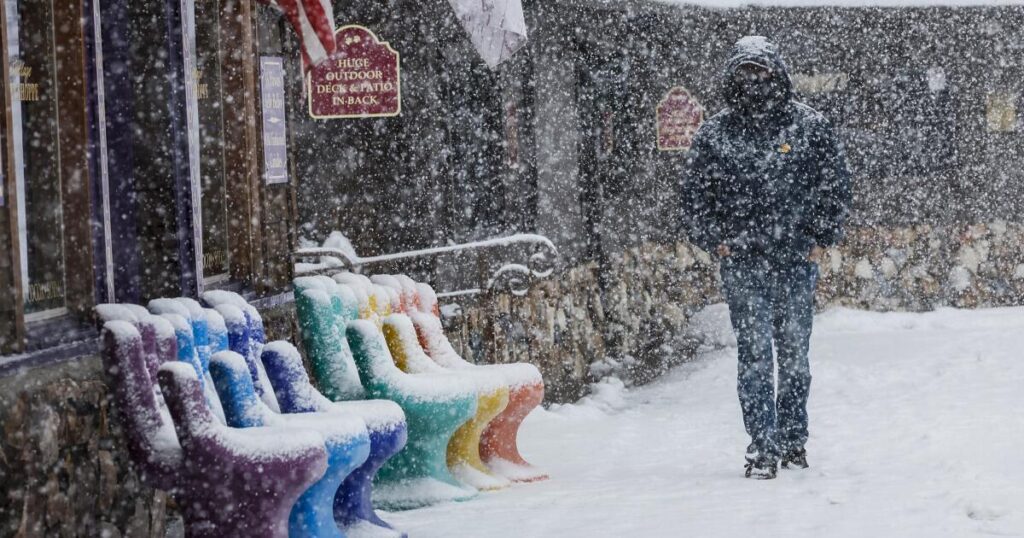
{"type": "Point", "coordinates": [772, 300]}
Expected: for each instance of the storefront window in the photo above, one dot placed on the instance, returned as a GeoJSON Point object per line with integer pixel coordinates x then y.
{"type": "Point", "coordinates": [36, 154]}
{"type": "Point", "coordinates": [211, 131]}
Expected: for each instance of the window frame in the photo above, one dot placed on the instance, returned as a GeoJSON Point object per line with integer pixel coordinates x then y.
{"type": "Point", "coordinates": [23, 331]}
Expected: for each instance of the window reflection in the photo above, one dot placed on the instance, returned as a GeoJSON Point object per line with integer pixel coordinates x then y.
{"type": "Point", "coordinates": [35, 114]}
{"type": "Point", "coordinates": [211, 132]}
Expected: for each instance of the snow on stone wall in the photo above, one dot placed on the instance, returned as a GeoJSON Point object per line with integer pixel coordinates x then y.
{"type": "Point", "coordinates": [924, 267]}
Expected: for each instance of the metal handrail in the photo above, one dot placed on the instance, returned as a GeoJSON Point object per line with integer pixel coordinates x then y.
{"type": "Point", "coordinates": [513, 277]}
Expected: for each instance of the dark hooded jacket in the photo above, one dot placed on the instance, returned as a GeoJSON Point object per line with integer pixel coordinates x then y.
{"type": "Point", "coordinates": [771, 182]}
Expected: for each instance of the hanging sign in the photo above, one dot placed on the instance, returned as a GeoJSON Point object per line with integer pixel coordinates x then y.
{"type": "Point", "coordinates": [275, 123]}
{"type": "Point", "coordinates": [678, 117]}
{"type": "Point", "coordinates": [360, 80]}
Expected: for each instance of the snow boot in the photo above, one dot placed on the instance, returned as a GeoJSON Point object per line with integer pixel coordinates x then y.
{"type": "Point", "coordinates": [795, 459]}
{"type": "Point", "coordinates": [761, 469]}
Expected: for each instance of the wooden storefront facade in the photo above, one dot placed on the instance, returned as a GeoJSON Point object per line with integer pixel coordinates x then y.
{"type": "Point", "coordinates": [132, 153]}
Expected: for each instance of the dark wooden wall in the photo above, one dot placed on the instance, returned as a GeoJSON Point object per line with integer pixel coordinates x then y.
{"type": "Point", "coordinates": [437, 172]}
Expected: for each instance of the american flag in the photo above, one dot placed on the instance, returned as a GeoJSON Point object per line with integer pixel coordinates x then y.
{"type": "Point", "coordinates": [313, 21]}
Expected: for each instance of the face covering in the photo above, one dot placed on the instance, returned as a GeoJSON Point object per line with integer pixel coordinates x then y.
{"type": "Point", "coordinates": [756, 91]}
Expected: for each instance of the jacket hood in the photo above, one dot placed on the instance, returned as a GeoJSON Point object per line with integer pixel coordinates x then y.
{"type": "Point", "coordinates": [760, 51]}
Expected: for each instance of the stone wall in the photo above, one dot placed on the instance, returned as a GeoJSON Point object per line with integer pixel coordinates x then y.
{"type": "Point", "coordinates": [925, 267]}
{"type": "Point", "coordinates": [633, 319]}
{"type": "Point", "coordinates": [65, 469]}
{"type": "Point", "coordinates": [581, 324]}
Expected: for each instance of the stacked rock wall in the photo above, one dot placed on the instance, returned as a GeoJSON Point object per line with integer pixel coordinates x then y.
{"type": "Point", "coordinates": [925, 267]}
{"type": "Point", "coordinates": [65, 468]}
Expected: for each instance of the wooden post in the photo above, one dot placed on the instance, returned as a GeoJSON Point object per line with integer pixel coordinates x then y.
{"type": "Point", "coordinates": [278, 199]}
{"type": "Point", "coordinates": [241, 140]}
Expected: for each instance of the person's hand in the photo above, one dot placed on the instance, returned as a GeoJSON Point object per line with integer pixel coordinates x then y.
{"type": "Point", "coordinates": [723, 250]}
{"type": "Point", "coordinates": [816, 254]}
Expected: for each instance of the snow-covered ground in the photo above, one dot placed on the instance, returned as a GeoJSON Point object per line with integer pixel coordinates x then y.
{"type": "Point", "coordinates": [917, 430]}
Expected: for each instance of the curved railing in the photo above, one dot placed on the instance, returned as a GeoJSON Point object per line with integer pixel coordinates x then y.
{"type": "Point", "coordinates": [510, 276]}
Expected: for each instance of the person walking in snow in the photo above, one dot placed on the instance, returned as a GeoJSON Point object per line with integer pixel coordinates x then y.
{"type": "Point", "coordinates": [766, 191]}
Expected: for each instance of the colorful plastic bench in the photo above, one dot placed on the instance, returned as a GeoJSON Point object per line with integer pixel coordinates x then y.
{"type": "Point", "coordinates": [207, 468]}
{"type": "Point", "coordinates": [215, 298]}
{"type": "Point", "coordinates": [463, 453]}
{"type": "Point", "coordinates": [239, 325]}
{"type": "Point", "coordinates": [386, 294]}
{"type": "Point", "coordinates": [498, 446]}
{"type": "Point", "coordinates": [190, 349]}
{"type": "Point", "coordinates": [346, 441]}
{"type": "Point", "coordinates": [256, 336]}
{"type": "Point", "coordinates": [322, 328]}
{"type": "Point", "coordinates": [325, 308]}
{"type": "Point", "coordinates": [385, 421]}
{"type": "Point", "coordinates": [217, 331]}
{"type": "Point", "coordinates": [132, 360]}
{"type": "Point", "coordinates": [133, 314]}
{"type": "Point", "coordinates": [310, 516]}
{"type": "Point", "coordinates": [435, 407]}
{"type": "Point", "coordinates": [367, 298]}
{"type": "Point", "coordinates": [272, 466]}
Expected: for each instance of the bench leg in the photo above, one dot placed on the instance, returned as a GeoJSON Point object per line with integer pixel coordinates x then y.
{"type": "Point", "coordinates": [418, 475]}
{"type": "Point", "coordinates": [499, 448]}
{"type": "Point", "coordinates": [464, 447]}
{"type": "Point", "coordinates": [353, 506]}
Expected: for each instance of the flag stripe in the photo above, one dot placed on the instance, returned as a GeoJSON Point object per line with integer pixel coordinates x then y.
{"type": "Point", "coordinates": [321, 17]}
{"type": "Point", "coordinates": [315, 48]}
{"type": "Point", "coordinates": [313, 21]}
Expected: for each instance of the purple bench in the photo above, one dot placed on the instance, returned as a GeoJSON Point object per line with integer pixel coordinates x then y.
{"type": "Point", "coordinates": [280, 365]}
{"type": "Point", "coordinates": [227, 482]}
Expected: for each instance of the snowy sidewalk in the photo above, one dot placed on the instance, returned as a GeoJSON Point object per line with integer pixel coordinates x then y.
{"type": "Point", "coordinates": [917, 428]}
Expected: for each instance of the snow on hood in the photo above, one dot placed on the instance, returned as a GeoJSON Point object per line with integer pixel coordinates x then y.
{"type": "Point", "coordinates": [758, 50]}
